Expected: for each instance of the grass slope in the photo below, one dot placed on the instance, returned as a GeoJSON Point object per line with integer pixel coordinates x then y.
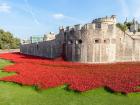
{"type": "Point", "coordinates": [14, 94]}
{"type": "Point", "coordinates": [4, 63]}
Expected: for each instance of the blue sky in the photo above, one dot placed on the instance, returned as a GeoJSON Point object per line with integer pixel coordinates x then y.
{"type": "Point", "coordinates": [25, 18]}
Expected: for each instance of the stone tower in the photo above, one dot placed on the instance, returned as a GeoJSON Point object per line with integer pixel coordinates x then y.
{"type": "Point", "coordinates": [92, 42]}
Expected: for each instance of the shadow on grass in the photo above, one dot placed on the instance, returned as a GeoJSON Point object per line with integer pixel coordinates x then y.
{"type": "Point", "coordinates": [21, 85]}
{"type": "Point", "coordinates": [114, 92]}
{"type": "Point", "coordinates": [67, 88]}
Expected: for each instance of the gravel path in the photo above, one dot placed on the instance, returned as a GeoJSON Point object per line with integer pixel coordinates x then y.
{"type": "Point", "coordinates": [9, 51]}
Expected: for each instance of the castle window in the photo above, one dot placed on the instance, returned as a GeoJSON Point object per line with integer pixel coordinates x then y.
{"type": "Point", "coordinates": [97, 41]}
{"type": "Point", "coordinates": [72, 31]}
{"type": "Point", "coordinates": [37, 46]}
{"type": "Point", "coordinates": [98, 25]}
{"type": "Point", "coordinates": [120, 39]}
{"type": "Point", "coordinates": [106, 41]}
{"type": "Point", "coordinates": [65, 34]}
{"type": "Point", "coordinates": [79, 41]}
{"type": "Point", "coordinates": [70, 42]}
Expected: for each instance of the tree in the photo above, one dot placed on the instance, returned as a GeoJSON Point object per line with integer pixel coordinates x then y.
{"type": "Point", "coordinates": [7, 41]}
{"type": "Point", "coordinates": [122, 27]}
{"type": "Point", "coordinates": [128, 24]}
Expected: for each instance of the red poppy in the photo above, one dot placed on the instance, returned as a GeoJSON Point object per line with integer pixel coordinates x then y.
{"type": "Point", "coordinates": [46, 73]}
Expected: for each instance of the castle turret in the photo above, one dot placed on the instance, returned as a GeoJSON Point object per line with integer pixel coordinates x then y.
{"type": "Point", "coordinates": [134, 27]}
{"type": "Point", "coordinates": [107, 20]}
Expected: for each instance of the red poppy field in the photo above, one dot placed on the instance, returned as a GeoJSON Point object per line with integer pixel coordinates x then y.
{"type": "Point", "coordinates": [45, 73]}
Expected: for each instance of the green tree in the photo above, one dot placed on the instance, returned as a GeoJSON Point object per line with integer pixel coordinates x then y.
{"type": "Point", "coordinates": [8, 41]}
{"type": "Point", "coordinates": [128, 24]}
{"type": "Point", "coordinates": [121, 26]}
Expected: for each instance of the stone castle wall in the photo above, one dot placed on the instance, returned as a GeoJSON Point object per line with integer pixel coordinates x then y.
{"type": "Point", "coordinates": [97, 42]}
{"type": "Point", "coordinates": [49, 49]}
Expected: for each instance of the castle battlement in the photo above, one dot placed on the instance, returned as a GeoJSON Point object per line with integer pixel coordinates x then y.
{"type": "Point", "coordinates": [99, 23]}
{"type": "Point", "coordinates": [107, 20]}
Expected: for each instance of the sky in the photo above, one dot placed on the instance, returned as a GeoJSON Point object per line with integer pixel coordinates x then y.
{"type": "Point", "coordinates": [25, 18]}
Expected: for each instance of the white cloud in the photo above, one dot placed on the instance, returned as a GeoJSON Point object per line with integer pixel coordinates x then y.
{"type": "Point", "coordinates": [59, 16]}
{"type": "Point", "coordinates": [5, 8]}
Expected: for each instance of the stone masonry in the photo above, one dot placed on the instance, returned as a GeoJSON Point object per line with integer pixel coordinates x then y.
{"type": "Point", "coordinates": [97, 42]}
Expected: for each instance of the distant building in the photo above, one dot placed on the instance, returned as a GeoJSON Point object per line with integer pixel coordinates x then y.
{"type": "Point", "coordinates": [25, 42]}
{"type": "Point", "coordinates": [46, 37]}
{"type": "Point", "coordinates": [36, 39]}
{"type": "Point", "coordinates": [135, 27]}
{"type": "Point", "coordinates": [49, 36]}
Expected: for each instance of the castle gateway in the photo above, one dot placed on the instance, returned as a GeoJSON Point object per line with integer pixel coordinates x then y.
{"type": "Point", "coordinates": [100, 41]}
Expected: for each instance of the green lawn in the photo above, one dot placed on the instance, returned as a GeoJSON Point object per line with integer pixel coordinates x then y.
{"type": "Point", "coordinates": [14, 94]}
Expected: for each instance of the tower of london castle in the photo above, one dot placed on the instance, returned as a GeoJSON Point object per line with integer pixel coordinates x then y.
{"type": "Point", "coordinates": [100, 41]}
